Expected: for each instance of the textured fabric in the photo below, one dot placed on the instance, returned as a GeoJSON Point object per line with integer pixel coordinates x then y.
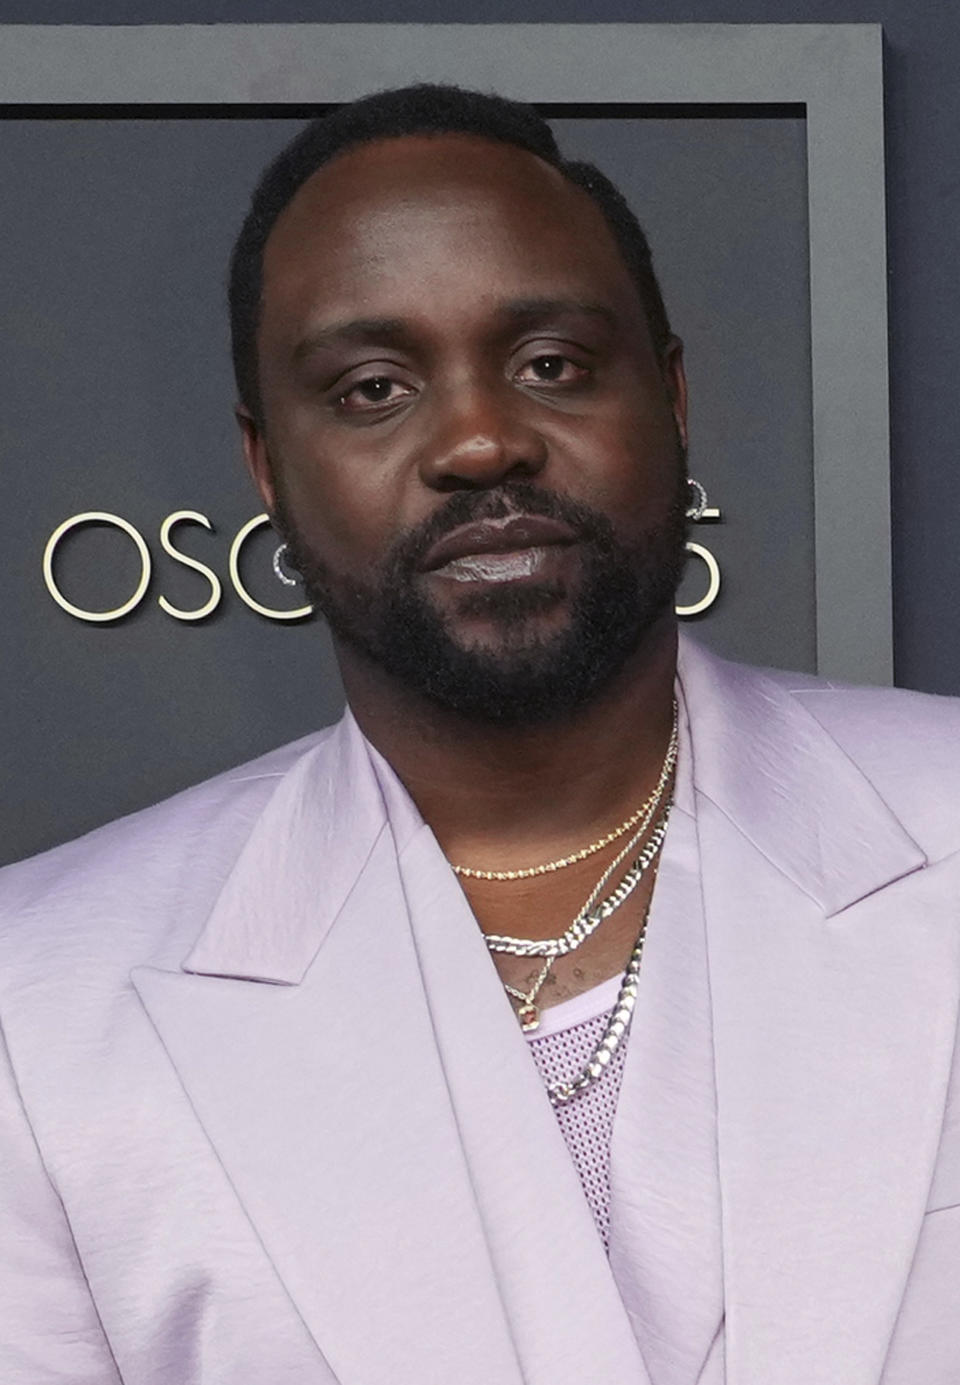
{"type": "Point", "coordinates": [586, 1122]}
{"type": "Point", "coordinates": [253, 1132]}
{"type": "Point", "coordinates": [665, 1246]}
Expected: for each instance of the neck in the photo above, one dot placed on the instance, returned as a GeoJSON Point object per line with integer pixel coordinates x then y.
{"type": "Point", "coordinates": [506, 796]}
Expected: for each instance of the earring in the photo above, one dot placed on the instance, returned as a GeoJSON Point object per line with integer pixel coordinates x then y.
{"type": "Point", "coordinates": [698, 502]}
{"type": "Point", "coordinates": [284, 577]}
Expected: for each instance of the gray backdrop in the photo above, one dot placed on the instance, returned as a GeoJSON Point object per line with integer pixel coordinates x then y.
{"type": "Point", "coordinates": [117, 398]}
{"type": "Point", "coordinates": [922, 42]}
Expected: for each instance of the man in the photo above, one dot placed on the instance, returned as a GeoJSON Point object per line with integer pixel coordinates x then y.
{"type": "Point", "coordinates": [566, 1014]}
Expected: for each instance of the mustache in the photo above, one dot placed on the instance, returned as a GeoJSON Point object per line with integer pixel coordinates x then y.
{"type": "Point", "coordinates": [511, 498]}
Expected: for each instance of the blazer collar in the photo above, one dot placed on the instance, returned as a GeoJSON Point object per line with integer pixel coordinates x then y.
{"type": "Point", "coordinates": [787, 786]}
{"type": "Point", "coordinates": [300, 863]}
{"type": "Point", "coordinates": [757, 754]}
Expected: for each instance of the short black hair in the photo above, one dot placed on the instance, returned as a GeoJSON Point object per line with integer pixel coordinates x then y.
{"type": "Point", "coordinates": [414, 110]}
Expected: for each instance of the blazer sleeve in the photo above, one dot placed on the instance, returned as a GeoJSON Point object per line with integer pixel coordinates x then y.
{"type": "Point", "coordinates": [50, 1333]}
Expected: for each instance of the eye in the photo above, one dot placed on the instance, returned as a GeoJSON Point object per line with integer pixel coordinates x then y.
{"type": "Point", "coordinates": [373, 393]}
{"type": "Point", "coordinates": [551, 368]}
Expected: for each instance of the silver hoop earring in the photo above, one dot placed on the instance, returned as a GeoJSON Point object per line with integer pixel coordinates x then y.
{"type": "Point", "coordinates": [698, 502]}
{"type": "Point", "coordinates": [284, 577]}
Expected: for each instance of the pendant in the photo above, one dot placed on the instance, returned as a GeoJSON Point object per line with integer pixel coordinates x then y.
{"type": "Point", "coordinates": [529, 1017]}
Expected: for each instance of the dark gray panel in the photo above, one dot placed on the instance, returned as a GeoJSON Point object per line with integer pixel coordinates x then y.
{"type": "Point", "coordinates": [117, 396]}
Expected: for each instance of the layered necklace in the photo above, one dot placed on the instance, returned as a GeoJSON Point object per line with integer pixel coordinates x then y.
{"type": "Point", "coordinates": [652, 814]}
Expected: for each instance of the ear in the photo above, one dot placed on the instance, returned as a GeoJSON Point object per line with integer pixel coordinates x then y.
{"type": "Point", "coordinates": [256, 458]}
{"type": "Point", "coordinates": [675, 379]}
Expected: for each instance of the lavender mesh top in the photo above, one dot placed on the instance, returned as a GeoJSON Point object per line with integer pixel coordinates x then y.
{"type": "Point", "coordinates": [567, 1035]}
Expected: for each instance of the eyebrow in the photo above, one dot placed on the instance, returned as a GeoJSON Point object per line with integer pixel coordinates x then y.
{"type": "Point", "coordinates": [361, 331]}
{"type": "Point", "coordinates": [393, 331]}
{"type": "Point", "coordinates": [533, 310]}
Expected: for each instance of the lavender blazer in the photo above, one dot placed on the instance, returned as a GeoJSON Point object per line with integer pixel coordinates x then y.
{"type": "Point", "coordinates": [266, 1115]}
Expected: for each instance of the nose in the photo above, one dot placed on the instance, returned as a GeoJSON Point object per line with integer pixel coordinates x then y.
{"type": "Point", "coordinates": [480, 441]}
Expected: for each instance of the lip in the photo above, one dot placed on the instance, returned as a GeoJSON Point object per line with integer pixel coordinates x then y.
{"type": "Point", "coordinates": [510, 534]}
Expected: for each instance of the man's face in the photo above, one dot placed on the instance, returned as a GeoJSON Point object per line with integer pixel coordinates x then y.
{"type": "Point", "coordinates": [469, 442]}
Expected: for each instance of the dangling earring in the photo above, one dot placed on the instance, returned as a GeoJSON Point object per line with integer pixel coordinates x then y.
{"type": "Point", "coordinates": [284, 577]}
{"type": "Point", "coordinates": [698, 501]}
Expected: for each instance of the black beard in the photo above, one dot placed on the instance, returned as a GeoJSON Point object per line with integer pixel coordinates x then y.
{"type": "Point", "coordinates": [527, 679]}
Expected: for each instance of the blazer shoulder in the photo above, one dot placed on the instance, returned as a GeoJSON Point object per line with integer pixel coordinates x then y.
{"type": "Point", "coordinates": [123, 888]}
{"type": "Point", "coordinates": [907, 744]}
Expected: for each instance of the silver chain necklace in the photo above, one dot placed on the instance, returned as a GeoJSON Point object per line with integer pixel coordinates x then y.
{"type": "Point", "coordinates": [614, 1033]}
{"type": "Point", "coordinates": [528, 1012]}
{"type": "Point", "coordinates": [557, 947]}
{"type": "Point", "coordinates": [588, 922]}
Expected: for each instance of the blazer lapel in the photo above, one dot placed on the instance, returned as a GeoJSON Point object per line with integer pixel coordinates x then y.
{"type": "Point", "coordinates": [833, 975]}
{"type": "Point", "coordinates": [665, 1242]}
{"type": "Point", "coordinates": [566, 1316]}
{"type": "Point", "coordinates": [324, 1097]}
{"type": "Point", "coordinates": [375, 1107]}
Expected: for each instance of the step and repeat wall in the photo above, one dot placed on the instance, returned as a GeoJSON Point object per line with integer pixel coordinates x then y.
{"type": "Point", "coordinates": [147, 640]}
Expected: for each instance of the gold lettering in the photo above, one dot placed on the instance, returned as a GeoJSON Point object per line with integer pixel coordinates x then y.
{"type": "Point", "coordinates": [96, 517]}
{"type": "Point", "coordinates": [713, 587]}
{"type": "Point", "coordinates": [243, 533]}
{"type": "Point", "coordinates": [216, 590]}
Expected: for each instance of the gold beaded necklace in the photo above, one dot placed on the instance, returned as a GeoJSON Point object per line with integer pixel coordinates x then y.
{"type": "Point", "coordinates": [547, 867]}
